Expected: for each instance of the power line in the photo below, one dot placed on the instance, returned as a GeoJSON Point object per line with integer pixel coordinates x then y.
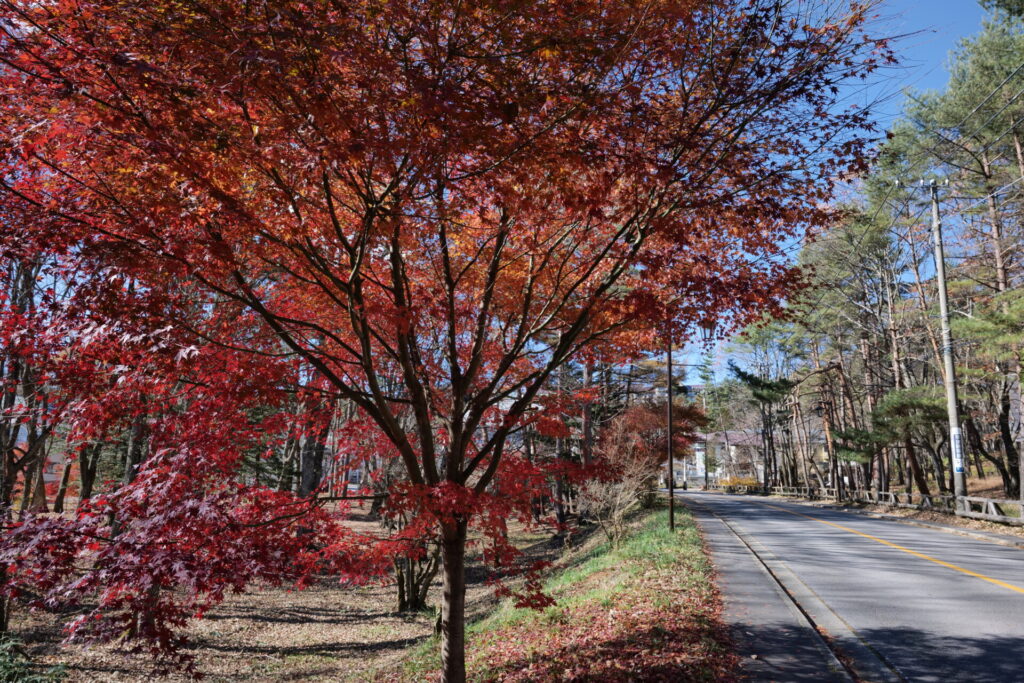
{"type": "Point", "coordinates": [881, 204]}
{"type": "Point", "coordinates": [993, 117]}
{"type": "Point", "coordinates": [997, 139]}
{"type": "Point", "coordinates": [990, 195]}
{"type": "Point", "coordinates": [860, 239]}
{"type": "Point", "coordinates": [990, 96]}
{"type": "Point", "coordinates": [977, 108]}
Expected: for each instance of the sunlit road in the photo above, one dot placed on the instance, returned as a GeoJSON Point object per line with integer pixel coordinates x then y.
{"type": "Point", "coordinates": [899, 602]}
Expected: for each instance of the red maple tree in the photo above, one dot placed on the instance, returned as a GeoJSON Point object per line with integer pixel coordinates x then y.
{"type": "Point", "coordinates": [432, 206]}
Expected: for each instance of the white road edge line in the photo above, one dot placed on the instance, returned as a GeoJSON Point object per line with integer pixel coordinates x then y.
{"type": "Point", "coordinates": [870, 665]}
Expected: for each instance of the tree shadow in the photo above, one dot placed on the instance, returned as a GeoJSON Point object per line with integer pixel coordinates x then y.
{"type": "Point", "coordinates": [301, 615]}
{"type": "Point", "coordinates": [319, 649]}
{"type": "Point", "coordinates": [921, 655]}
{"type": "Point", "coordinates": [654, 654]}
{"type": "Point", "coordinates": [916, 654]}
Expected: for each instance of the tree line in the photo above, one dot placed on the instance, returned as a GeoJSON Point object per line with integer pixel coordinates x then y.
{"type": "Point", "coordinates": [858, 364]}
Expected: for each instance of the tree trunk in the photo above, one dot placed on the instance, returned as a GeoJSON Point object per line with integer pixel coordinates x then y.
{"type": "Point", "coordinates": [413, 578]}
{"type": "Point", "coordinates": [915, 467]}
{"type": "Point", "coordinates": [802, 441]}
{"type": "Point", "coordinates": [6, 604]}
{"type": "Point", "coordinates": [34, 492]}
{"type": "Point", "coordinates": [89, 460]}
{"type": "Point", "coordinates": [978, 446]}
{"type": "Point", "coordinates": [561, 445]}
{"type": "Point", "coordinates": [134, 455]}
{"type": "Point", "coordinates": [588, 415]}
{"type": "Point", "coordinates": [312, 460]}
{"type": "Point", "coordinates": [137, 449]}
{"type": "Point", "coordinates": [62, 489]}
{"type": "Point", "coordinates": [878, 457]}
{"type": "Point", "coordinates": [39, 488]}
{"type": "Point", "coordinates": [285, 479]}
{"type": "Point", "coordinates": [1020, 461]}
{"type": "Point", "coordinates": [1006, 437]}
{"type": "Point", "coordinates": [942, 481]}
{"type": "Point", "coordinates": [833, 459]}
{"type": "Point", "coordinates": [403, 571]}
{"type": "Point", "coordinates": [898, 471]}
{"type": "Point", "coordinates": [453, 608]}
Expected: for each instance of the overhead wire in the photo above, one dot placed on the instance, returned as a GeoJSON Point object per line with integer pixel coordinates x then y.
{"type": "Point", "coordinates": [976, 109]}
{"type": "Point", "coordinates": [860, 238]}
{"type": "Point", "coordinates": [993, 117]}
{"type": "Point", "coordinates": [990, 195]}
{"type": "Point", "coordinates": [914, 159]}
{"type": "Point", "coordinates": [1002, 135]}
{"type": "Point", "coordinates": [921, 154]}
{"type": "Point", "coordinates": [992, 94]}
{"type": "Point", "coordinates": [991, 143]}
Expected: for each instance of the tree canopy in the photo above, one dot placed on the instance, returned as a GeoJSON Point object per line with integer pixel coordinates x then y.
{"type": "Point", "coordinates": [423, 209]}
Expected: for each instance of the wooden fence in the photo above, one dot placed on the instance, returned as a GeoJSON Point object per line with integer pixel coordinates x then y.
{"type": "Point", "coordinates": [975, 507]}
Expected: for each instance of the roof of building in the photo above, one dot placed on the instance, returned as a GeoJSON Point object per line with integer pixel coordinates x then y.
{"type": "Point", "coordinates": [732, 437]}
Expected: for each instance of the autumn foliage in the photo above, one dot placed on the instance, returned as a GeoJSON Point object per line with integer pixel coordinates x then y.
{"type": "Point", "coordinates": [633, 448]}
{"type": "Point", "coordinates": [419, 208]}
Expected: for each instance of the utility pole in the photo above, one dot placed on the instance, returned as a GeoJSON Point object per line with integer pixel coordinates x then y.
{"type": "Point", "coordinates": [956, 446]}
{"type": "Point", "coordinates": [671, 464]}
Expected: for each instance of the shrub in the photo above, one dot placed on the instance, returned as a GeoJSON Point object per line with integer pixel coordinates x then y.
{"type": "Point", "coordinates": [16, 667]}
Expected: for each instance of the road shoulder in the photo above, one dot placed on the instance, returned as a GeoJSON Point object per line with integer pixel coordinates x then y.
{"type": "Point", "coordinates": [774, 639]}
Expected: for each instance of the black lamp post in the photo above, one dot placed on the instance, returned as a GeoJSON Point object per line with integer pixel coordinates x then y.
{"type": "Point", "coordinates": [668, 442]}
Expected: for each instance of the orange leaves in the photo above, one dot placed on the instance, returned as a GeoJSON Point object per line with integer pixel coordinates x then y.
{"type": "Point", "coordinates": [433, 206]}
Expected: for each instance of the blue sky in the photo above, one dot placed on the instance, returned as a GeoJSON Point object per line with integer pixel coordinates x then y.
{"type": "Point", "coordinates": [937, 26]}
{"type": "Point", "coordinates": [931, 29]}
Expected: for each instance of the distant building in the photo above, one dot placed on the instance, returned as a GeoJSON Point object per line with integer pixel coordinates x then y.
{"type": "Point", "coordinates": [737, 454]}
{"type": "Point", "coordinates": [680, 468]}
{"type": "Point", "coordinates": [730, 454]}
{"type": "Point", "coordinates": [53, 467]}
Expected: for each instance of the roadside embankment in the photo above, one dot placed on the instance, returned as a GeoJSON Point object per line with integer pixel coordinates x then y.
{"type": "Point", "coordinates": [646, 610]}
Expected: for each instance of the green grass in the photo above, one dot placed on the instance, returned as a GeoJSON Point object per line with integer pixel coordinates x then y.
{"type": "Point", "coordinates": [597, 575]}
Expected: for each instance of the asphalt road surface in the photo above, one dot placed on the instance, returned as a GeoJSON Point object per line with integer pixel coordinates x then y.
{"type": "Point", "coordinates": [894, 602]}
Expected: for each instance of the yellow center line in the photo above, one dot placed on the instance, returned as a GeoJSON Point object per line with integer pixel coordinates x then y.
{"type": "Point", "coordinates": [1003, 584]}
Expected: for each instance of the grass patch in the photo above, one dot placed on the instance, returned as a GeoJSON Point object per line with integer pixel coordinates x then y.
{"type": "Point", "coordinates": [645, 610]}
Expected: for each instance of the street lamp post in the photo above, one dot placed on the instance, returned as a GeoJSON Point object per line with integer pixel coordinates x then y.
{"type": "Point", "coordinates": [704, 402]}
{"type": "Point", "coordinates": [671, 464]}
{"type": "Point", "coordinates": [669, 444]}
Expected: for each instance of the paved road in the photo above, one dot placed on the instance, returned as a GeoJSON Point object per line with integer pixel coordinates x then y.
{"type": "Point", "coordinates": [898, 602]}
